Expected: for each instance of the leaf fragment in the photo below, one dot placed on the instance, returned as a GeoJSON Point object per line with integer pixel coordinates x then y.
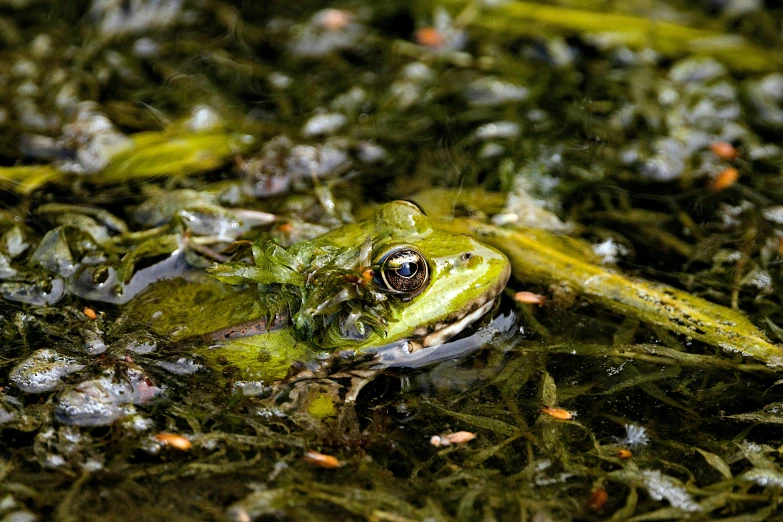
{"type": "Point", "coordinates": [716, 462]}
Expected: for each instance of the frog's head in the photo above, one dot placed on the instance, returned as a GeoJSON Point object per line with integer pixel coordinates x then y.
{"type": "Point", "coordinates": [437, 283]}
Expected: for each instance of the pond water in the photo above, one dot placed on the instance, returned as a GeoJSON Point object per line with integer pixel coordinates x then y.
{"type": "Point", "coordinates": [147, 143]}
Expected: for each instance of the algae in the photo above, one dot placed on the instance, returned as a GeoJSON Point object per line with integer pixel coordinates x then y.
{"type": "Point", "coordinates": [145, 142]}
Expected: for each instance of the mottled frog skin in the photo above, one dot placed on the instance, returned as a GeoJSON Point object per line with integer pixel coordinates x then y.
{"type": "Point", "coordinates": [389, 279]}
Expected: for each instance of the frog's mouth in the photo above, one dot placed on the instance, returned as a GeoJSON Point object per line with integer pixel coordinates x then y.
{"type": "Point", "coordinates": [443, 334]}
{"type": "Point", "coordinates": [435, 335]}
{"type": "Point", "coordinates": [412, 353]}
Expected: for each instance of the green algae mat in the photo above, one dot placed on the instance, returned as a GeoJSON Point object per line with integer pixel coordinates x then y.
{"type": "Point", "coordinates": [485, 260]}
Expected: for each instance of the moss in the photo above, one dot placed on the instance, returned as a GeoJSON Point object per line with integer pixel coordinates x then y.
{"type": "Point", "coordinates": [162, 154]}
{"type": "Point", "coordinates": [668, 38]}
{"type": "Point", "coordinates": [26, 179]}
{"type": "Point", "coordinates": [322, 406]}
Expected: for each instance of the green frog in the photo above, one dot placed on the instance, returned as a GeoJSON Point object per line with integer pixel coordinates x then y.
{"type": "Point", "coordinates": [393, 280]}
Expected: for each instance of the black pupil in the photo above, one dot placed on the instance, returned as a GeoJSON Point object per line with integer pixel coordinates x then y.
{"type": "Point", "coordinates": [407, 269]}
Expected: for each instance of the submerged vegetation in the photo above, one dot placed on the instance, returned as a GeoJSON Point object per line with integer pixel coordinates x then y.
{"type": "Point", "coordinates": [168, 166]}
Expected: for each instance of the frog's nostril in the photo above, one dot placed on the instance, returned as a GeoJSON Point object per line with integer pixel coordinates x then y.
{"type": "Point", "coordinates": [466, 256]}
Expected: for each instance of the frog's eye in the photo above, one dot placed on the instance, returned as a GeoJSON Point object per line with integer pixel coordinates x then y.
{"type": "Point", "coordinates": [404, 271]}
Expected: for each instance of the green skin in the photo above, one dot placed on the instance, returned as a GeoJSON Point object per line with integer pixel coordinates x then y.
{"type": "Point", "coordinates": [460, 288]}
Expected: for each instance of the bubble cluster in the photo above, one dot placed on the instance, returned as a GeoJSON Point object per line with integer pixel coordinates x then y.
{"type": "Point", "coordinates": [101, 401]}
{"type": "Point", "coordinates": [41, 372]}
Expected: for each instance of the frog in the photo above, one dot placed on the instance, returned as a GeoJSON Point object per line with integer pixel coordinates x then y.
{"type": "Point", "coordinates": [389, 284]}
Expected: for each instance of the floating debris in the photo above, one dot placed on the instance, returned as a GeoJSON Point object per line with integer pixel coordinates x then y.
{"type": "Point", "coordinates": [173, 440]}
{"type": "Point", "coordinates": [725, 179]}
{"type": "Point", "coordinates": [558, 413]}
{"type": "Point", "coordinates": [624, 454]}
{"type": "Point", "coordinates": [323, 124]}
{"type": "Point", "coordinates": [598, 499]}
{"type": "Point", "coordinates": [724, 150]}
{"type": "Point", "coordinates": [529, 298]}
{"type": "Point", "coordinates": [321, 460]}
{"type": "Point", "coordinates": [497, 130]}
{"type": "Point", "coordinates": [47, 291]}
{"type": "Point", "coordinates": [333, 19]}
{"type": "Point", "coordinates": [114, 18]}
{"type": "Point", "coordinates": [182, 366]}
{"type": "Point", "coordinates": [430, 37]}
{"type": "Point", "coordinates": [460, 437]}
{"type": "Point", "coordinates": [635, 436]}
{"type": "Point", "coordinates": [329, 31]}
{"type": "Point", "coordinates": [609, 251]}
{"type": "Point", "coordinates": [664, 487]}
{"type": "Point", "coordinates": [490, 92]}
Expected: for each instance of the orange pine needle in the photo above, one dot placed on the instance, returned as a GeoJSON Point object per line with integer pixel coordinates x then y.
{"type": "Point", "coordinates": [529, 298]}
{"type": "Point", "coordinates": [430, 37]}
{"type": "Point", "coordinates": [557, 413]}
{"type": "Point", "coordinates": [321, 460]}
{"type": "Point", "coordinates": [724, 150]}
{"type": "Point", "coordinates": [461, 437]}
{"type": "Point", "coordinates": [624, 454]}
{"type": "Point", "coordinates": [597, 500]}
{"type": "Point", "coordinates": [175, 441]}
{"type": "Point", "coordinates": [725, 179]}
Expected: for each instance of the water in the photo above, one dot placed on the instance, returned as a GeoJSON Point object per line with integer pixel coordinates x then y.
{"type": "Point", "coordinates": [140, 139]}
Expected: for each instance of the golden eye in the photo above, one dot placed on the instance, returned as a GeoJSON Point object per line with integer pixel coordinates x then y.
{"type": "Point", "coordinates": [404, 271]}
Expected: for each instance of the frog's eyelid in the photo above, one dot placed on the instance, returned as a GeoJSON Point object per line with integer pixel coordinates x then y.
{"type": "Point", "coordinates": [389, 250]}
{"type": "Point", "coordinates": [415, 205]}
